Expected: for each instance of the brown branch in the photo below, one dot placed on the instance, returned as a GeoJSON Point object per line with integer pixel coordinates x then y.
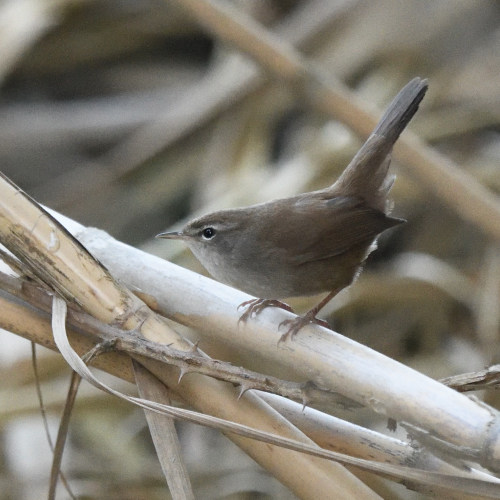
{"type": "Point", "coordinates": [192, 361]}
{"type": "Point", "coordinates": [488, 378]}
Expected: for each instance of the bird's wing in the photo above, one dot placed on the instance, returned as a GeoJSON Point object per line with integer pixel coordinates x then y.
{"type": "Point", "coordinates": [322, 226]}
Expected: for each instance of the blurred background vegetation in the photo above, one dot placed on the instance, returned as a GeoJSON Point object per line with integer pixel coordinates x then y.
{"type": "Point", "coordinates": [125, 115]}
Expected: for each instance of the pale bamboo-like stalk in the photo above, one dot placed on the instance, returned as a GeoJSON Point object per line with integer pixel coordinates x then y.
{"type": "Point", "coordinates": [35, 326]}
{"type": "Point", "coordinates": [325, 430]}
{"type": "Point", "coordinates": [164, 435]}
{"type": "Point", "coordinates": [325, 357]}
{"type": "Point", "coordinates": [42, 244]}
{"type": "Point", "coordinates": [333, 433]}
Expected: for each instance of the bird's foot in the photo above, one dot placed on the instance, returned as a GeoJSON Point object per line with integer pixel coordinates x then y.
{"type": "Point", "coordinates": [255, 306]}
{"type": "Point", "coordinates": [296, 324]}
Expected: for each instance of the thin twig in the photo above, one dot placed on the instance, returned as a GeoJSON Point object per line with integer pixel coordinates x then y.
{"type": "Point", "coordinates": [187, 361]}
{"type": "Point", "coordinates": [488, 378]}
{"type": "Point", "coordinates": [43, 412]}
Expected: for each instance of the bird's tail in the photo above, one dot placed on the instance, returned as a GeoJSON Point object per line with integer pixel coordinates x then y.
{"type": "Point", "coordinates": [401, 110]}
{"type": "Point", "coordinates": [366, 175]}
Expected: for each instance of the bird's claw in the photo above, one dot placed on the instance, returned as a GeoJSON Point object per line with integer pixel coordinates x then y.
{"type": "Point", "coordinates": [297, 324]}
{"type": "Point", "coordinates": [255, 306]}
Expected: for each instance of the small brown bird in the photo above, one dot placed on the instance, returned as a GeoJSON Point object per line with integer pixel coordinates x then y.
{"type": "Point", "coordinates": [311, 243]}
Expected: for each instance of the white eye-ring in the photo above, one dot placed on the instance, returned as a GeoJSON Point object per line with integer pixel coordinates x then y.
{"type": "Point", "coordinates": [208, 233]}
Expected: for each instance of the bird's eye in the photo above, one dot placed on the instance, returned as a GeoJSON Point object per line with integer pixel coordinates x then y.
{"type": "Point", "coordinates": [208, 233]}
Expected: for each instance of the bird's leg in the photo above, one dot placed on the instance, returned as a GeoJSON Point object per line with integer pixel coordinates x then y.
{"type": "Point", "coordinates": [294, 325]}
{"type": "Point", "coordinates": [255, 306]}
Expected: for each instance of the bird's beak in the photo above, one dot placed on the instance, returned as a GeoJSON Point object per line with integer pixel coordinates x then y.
{"type": "Point", "coordinates": [174, 235]}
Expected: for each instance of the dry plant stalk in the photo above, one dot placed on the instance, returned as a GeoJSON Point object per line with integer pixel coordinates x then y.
{"type": "Point", "coordinates": [63, 264]}
{"type": "Point", "coordinates": [330, 360]}
{"type": "Point", "coordinates": [455, 479]}
{"type": "Point", "coordinates": [320, 427]}
{"type": "Point", "coordinates": [487, 489]}
{"type": "Point", "coordinates": [164, 435]}
{"type": "Point", "coordinates": [119, 341]}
